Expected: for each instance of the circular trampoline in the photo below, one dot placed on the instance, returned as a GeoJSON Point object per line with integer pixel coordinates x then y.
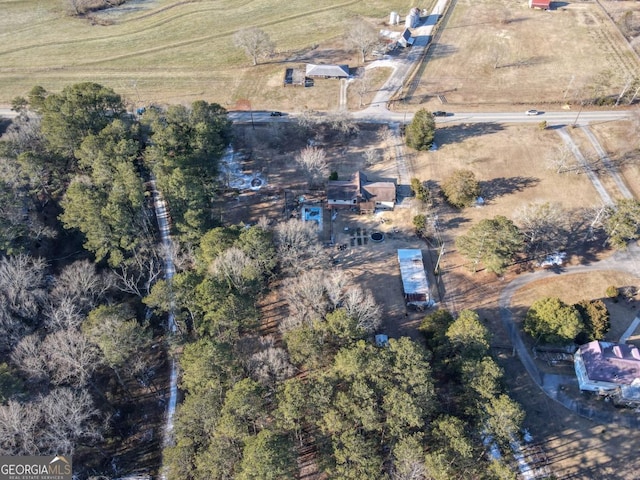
{"type": "Point", "coordinates": [377, 237]}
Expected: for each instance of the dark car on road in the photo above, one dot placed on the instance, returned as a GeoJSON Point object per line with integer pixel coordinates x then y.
{"type": "Point", "coordinates": [439, 113]}
{"type": "Point", "coordinates": [276, 114]}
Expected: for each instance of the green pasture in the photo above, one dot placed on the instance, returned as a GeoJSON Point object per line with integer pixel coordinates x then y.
{"type": "Point", "coordinates": [168, 50]}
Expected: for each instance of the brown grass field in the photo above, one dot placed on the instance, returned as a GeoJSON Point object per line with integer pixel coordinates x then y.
{"type": "Point", "coordinates": [507, 56]}
{"type": "Point", "coordinates": [169, 51]}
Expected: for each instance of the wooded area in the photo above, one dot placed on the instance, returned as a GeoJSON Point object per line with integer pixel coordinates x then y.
{"type": "Point", "coordinates": [85, 329]}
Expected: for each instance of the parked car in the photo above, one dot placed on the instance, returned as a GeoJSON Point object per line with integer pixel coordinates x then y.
{"type": "Point", "coordinates": [532, 112]}
{"type": "Point", "coordinates": [439, 113]}
{"type": "Point", "coordinates": [276, 114]}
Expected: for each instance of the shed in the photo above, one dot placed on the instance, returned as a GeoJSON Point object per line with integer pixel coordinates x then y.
{"type": "Point", "coordinates": [327, 71]}
{"type": "Point", "coordinates": [294, 77]}
{"type": "Point", "coordinates": [414, 278]}
{"type": "Point", "coordinates": [406, 40]}
{"type": "Point", "coordinates": [542, 4]}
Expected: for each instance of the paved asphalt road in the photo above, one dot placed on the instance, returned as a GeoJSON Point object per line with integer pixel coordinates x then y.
{"type": "Point", "coordinates": [385, 116]}
{"type": "Point", "coordinates": [7, 113]}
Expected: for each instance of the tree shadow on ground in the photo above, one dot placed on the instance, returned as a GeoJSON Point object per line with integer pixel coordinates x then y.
{"type": "Point", "coordinates": [459, 133]}
{"type": "Point", "coordinates": [454, 222]}
{"type": "Point", "coordinates": [498, 187]}
{"type": "Point", "coordinates": [311, 55]}
{"type": "Point", "coordinates": [588, 245]}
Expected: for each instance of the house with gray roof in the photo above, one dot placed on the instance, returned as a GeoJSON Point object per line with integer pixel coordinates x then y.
{"type": "Point", "coordinates": [609, 368]}
{"type": "Point", "coordinates": [327, 71]}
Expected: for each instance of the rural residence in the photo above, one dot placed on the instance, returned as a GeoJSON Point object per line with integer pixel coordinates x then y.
{"type": "Point", "coordinates": [609, 367]}
{"type": "Point", "coordinates": [327, 71]}
{"type": "Point", "coordinates": [414, 278]}
{"type": "Point", "coordinates": [361, 194]}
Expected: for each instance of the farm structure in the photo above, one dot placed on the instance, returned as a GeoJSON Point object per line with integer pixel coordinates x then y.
{"type": "Point", "coordinates": [361, 194]}
{"type": "Point", "coordinates": [609, 367]}
{"type": "Point", "coordinates": [542, 4]}
{"type": "Point", "coordinates": [327, 71]}
{"type": "Point", "coordinates": [294, 77]}
{"type": "Point", "coordinates": [414, 278]}
{"type": "Point", "coordinates": [413, 18]}
{"type": "Point", "coordinates": [406, 40]}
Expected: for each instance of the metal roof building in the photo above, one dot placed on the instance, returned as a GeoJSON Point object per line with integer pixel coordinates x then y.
{"type": "Point", "coordinates": [327, 71]}
{"type": "Point", "coordinates": [414, 278]}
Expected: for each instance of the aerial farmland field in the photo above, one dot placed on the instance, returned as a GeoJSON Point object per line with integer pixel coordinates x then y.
{"type": "Point", "coordinates": [169, 51]}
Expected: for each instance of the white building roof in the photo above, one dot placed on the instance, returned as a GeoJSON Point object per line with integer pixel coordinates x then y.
{"type": "Point", "coordinates": [414, 278]}
{"type": "Point", "coordinates": [327, 70]}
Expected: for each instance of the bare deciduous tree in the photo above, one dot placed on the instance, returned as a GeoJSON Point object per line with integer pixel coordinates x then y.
{"type": "Point", "coordinates": [271, 364]}
{"type": "Point", "coordinates": [371, 156]}
{"type": "Point", "coordinates": [138, 274]}
{"type": "Point", "coordinates": [13, 329]}
{"type": "Point", "coordinates": [342, 122]}
{"type": "Point", "coordinates": [335, 283]}
{"type": "Point", "coordinates": [255, 42]}
{"type": "Point", "coordinates": [19, 428]}
{"type": "Point", "coordinates": [70, 417]}
{"type": "Point", "coordinates": [24, 135]}
{"type": "Point", "coordinates": [563, 160]}
{"type": "Point", "coordinates": [305, 295]}
{"type": "Point", "coordinates": [309, 118]}
{"type": "Point", "coordinates": [362, 307]}
{"type": "Point", "coordinates": [236, 268]}
{"type": "Point", "coordinates": [543, 225]}
{"type": "Point", "coordinates": [313, 162]}
{"type": "Point", "coordinates": [362, 36]}
{"type": "Point", "coordinates": [362, 86]}
{"type": "Point", "coordinates": [29, 358]}
{"type": "Point", "coordinates": [64, 314]}
{"type": "Point", "coordinates": [298, 246]}
{"type": "Point", "coordinates": [70, 357]}
{"type": "Point", "coordinates": [387, 135]}
{"type": "Point", "coordinates": [80, 284]}
{"type": "Point", "coordinates": [22, 279]}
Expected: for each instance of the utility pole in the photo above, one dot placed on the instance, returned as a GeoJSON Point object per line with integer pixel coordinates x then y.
{"type": "Point", "coordinates": [575, 122]}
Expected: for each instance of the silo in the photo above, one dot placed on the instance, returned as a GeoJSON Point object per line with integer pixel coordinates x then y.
{"type": "Point", "coordinates": [394, 18]}
{"type": "Point", "coordinates": [411, 20]}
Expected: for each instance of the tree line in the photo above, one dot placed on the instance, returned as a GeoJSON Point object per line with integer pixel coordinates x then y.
{"type": "Point", "coordinates": [77, 337]}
